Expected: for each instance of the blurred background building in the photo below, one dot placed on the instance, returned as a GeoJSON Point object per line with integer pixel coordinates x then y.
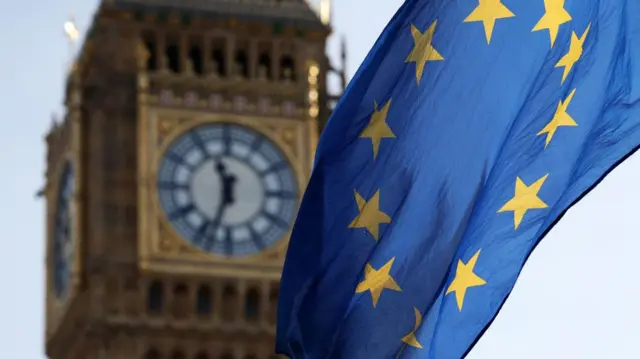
{"type": "Point", "coordinates": [175, 173]}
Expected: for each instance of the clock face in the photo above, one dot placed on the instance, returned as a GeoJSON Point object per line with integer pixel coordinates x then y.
{"type": "Point", "coordinates": [227, 189]}
{"type": "Point", "coordinates": [63, 246]}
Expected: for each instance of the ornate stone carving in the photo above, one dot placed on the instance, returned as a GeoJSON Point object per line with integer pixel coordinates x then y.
{"type": "Point", "coordinates": [240, 104]}
{"type": "Point", "coordinates": [191, 99]}
{"type": "Point", "coordinates": [215, 101]}
{"type": "Point", "coordinates": [166, 97]}
{"type": "Point", "coordinates": [288, 108]}
{"type": "Point", "coordinates": [264, 105]}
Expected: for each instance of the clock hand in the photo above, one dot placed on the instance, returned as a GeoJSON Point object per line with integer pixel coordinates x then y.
{"type": "Point", "coordinates": [220, 170]}
{"type": "Point", "coordinates": [228, 182]}
{"type": "Point", "coordinates": [229, 186]}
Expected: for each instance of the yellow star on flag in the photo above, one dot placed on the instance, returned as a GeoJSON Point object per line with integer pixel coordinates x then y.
{"type": "Point", "coordinates": [370, 216]}
{"type": "Point", "coordinates": [554, 16]}
{"type": "Point", "coordinates": [525, 199]}
{"type": "Point", "coordinates": [560, 118]}
{"type": "Point", "coordinates": [423, 49]}
{"type": "Point", "coordinates": [488, 11]}
{"type": "Point", "coordinates": [378, 127]}
{"type": "Point", "coordinates": [574, 53]}
{"type": "Point", "coordinates": [410, 339]}
{"type": "Point", "coordinates": [465, 278]}
{"type": "Point", "coordinates": [377, 280]}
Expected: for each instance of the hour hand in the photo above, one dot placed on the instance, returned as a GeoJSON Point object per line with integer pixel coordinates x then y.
{"type": "Point", "coordinates": [228, 189]}
{"type": "Point", "coordinates": [228, 183]}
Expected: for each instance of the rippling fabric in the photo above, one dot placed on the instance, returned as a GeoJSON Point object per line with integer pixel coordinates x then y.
{"type": "Point", "coordinates": [471, 127]}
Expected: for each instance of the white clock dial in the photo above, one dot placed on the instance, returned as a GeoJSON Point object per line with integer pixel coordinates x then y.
{"type": "Point", "coordinates": [227, 189]}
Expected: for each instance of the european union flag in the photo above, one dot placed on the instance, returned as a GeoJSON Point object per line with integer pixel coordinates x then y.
{"type": "Point", "coordinates": [469, 130]}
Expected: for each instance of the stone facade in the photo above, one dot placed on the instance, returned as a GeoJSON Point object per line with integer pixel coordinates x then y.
{"type": "Point", "coordinates": [148, 67]}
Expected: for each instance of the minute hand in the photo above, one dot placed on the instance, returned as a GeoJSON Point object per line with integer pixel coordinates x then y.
{"type": "Point", "coordinates": [212, 228]}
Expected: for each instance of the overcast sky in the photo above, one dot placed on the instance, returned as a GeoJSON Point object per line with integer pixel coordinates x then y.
{"type": "Point", "coordinates": [576, 297]}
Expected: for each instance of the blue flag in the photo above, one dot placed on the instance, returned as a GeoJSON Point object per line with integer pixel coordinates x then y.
{"type": "Point", "coordinates": [469, 130]}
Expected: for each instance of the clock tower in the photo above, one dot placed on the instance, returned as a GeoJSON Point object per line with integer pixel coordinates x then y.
{"type": "Point", "coordinates": [175, 176]}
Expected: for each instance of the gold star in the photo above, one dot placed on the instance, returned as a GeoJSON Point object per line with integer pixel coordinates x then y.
{"type": "Point", "coordinates": [410, 339]}
{"type": "Point", "coordinates": [526, 198]}
{"type": "Point", "coordinates": [560, 118]}
{"type": "Point", "coordinates": [423, 50]}
{"type": "Point", "coordinates": [375, 281]}
{"type": "Point", "coordinates": [378, 128]}
{"type": "Point", "coordinates": [465, 278]}
{"type": "Point", "coordinates": [554, 16]}
{"type": "Point", "coordinates": [488, 11]}
{"type": "Point", "coordinates": [574, 53]}
{"type": "Point", "coordinates": [370, 216]}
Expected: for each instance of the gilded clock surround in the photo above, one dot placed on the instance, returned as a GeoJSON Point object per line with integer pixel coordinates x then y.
{"type": "Point", "coordinates": [162, 248]}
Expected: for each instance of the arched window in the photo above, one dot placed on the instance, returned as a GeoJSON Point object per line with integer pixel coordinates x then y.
{"type": "Point", "coordinates": [155, 297]}
{"type": "Point", "coordinates": [172, 54]}
{"type": "Point", "coordinates": [150, 47]}
{"type": "Point", "coordinates": [195, 57]}
{"type": "Point", "coordinates": [241, 64]}
{"type": "Point", "coordinates": [287, 68]}
{"type": "Point", "coordinates": [264, 66]}
{"type": "Point", "coordinates": [218, 62]}
{"type": "Point", "coordinates": [203, 301]}
{"type": "Point", "coordinates": [252, 305]}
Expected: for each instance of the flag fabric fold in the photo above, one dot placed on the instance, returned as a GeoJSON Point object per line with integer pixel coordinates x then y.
{"type": "Point", "coordinates": [470, 128]}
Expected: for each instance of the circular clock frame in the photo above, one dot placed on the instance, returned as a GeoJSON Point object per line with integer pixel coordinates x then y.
{"type": "Point", "coordinates": [226, 188]}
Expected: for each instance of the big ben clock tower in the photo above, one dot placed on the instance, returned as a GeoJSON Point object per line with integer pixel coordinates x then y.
{"type": "Point", "coordinates": [176, 174]}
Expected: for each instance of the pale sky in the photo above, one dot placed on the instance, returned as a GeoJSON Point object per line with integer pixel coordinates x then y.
{"type": "Point", "coordinates": [576, 297]}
